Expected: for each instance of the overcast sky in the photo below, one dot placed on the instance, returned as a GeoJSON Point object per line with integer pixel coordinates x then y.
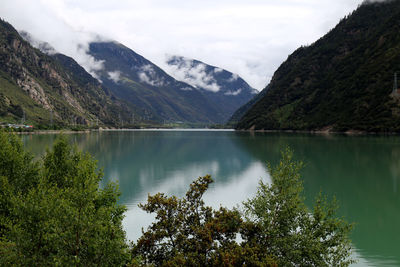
{"type": "Point", "coordinates": [248, 37]}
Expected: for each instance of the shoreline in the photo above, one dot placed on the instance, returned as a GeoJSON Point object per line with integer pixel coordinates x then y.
{"type": "Point", "coordinates": [317, 132]}
{"type": "Point", "coordinates": [118, 130]}
{"type": "Point", "coordinates": [321, 132]}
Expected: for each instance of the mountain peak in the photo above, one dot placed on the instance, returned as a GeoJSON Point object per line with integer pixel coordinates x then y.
{"type": "Point", "coordinates": [206, 77]}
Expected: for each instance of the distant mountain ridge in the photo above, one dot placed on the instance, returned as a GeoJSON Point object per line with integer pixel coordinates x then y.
{"type": "Point", "coordinates": [342, 82]}
{"type": "Point", "coordinates": [47, 89]}
{"type": "Point", "coordinates": [125, 89]}
{"type": "Point", "coordinates": [140, 82]}
{"type": "Point", "coordinates": [225, 89]}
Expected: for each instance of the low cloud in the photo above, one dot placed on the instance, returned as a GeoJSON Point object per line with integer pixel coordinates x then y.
{"type": "Point", "coordinates": [148, 75]}
{"type": "Point", "coordinates": [44, 21]}
{"type": "Point", "coordinates": [115, 76]}
{"type": "Point", "coordinates": [195, 75]}
{"type": "Point", "coordinates": [233, 78]}
{"type": "Point", "coordinates": [233, 93]}
{"type": "Point", "coordinates": [39, 44]}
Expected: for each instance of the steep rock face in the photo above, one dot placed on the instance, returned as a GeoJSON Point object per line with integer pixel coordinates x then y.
{"type": "Point", "coordinates": [225, 89]}
{"type": "Point", "coordinates": [344, 81]}
{"type": "Point", "coordinates": [44, 88]}
{"type": "Point", "coordinates": [142, 83]}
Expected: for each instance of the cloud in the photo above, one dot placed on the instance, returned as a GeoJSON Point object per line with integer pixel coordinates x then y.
{"type": "Point", "coordinates": [195, 75]}
{"type": "Point", "coordinates": [233, 93]}
{"type": "Point", "coordinates": [115, 76]}
{"type": "Point", "coordinates": [250, 38]}
{"type": "Point", "coordinates": [149, 76]}
{"type": "Point", "coordinates": [42, 20]}
{"type": "Point", "coordinates": [42, 46]}
{"type": "Point", "coordinates": [233, 78]}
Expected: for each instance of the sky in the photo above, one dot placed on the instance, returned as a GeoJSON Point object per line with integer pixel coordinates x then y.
{"type": "Point", "coordinates": [248, 37]}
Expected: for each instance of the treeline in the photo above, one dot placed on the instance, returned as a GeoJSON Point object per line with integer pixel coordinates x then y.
{"type": "Point", "coordinates": [53, 212]}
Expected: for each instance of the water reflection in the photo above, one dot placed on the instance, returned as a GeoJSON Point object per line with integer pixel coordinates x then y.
{"type": "Point", "coordinates": [362, 172]}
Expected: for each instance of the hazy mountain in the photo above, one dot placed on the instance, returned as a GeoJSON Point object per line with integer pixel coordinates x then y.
{"type": "Point", "coordinates": [225, 89]}
{"type": "Point", "coordinates": [344, 81]}
{"type": "Point", "coordinates": [43, 88]}
{"type": "Point", "coordinates": [137, 80]}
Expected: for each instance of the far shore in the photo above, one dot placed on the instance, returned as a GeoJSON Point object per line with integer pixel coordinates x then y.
{"type": "Point", "coordinates": [116, 130]}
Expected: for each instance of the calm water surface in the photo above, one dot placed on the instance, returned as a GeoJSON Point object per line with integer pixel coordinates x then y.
{"type": "Point", "coordinates": [362, 172]}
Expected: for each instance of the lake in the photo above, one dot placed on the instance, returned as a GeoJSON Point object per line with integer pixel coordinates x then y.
{"type": "Point", "coordinates": [363, 172]}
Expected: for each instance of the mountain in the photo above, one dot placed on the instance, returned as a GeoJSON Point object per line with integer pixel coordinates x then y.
{"type": "Point", "coordinates": [342, 82]}
{"type": "Point", "coordinates": [239, 113]}
{"type": "Point", "coordinates": [44, 89]}
{"type": "Point", "coordinates": [140, 82]}
{"type": "Point", "coordinates": [225, 89]}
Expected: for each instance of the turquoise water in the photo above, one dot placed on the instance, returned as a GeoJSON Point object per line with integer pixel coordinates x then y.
{"type": "Point", "coordinates": [363, 172]}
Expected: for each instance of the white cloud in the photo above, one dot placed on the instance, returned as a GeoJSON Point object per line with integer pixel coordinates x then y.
{"type": "Point", "coordinates": [233, 78]}
{"type": "Point", "coordinates": [149, 76]}
{"type": "Point", "coordinates": [233, 93]}
{"type": "Point", "coordinates": [194, 75]}
{"type": "Point", "coordinates": [42, 46]}
{"type": "Point", "coordinates": [115, 76]}
{"type": "Point", "coordinates": [218, 70]}
{"type": "Point", "coordinates": [250, 38]}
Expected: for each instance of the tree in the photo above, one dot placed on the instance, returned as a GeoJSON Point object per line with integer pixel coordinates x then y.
{"type": "Point", "coordinates": [285, 227]}
{"type": "Point", "coordinates": [16, 164]}
{"type": "Point", "coordinates": [18, 173]}
{"type": "Point", "coordinates": [65, 218]}
{"type": "Point", "coordinates": [188, 233]}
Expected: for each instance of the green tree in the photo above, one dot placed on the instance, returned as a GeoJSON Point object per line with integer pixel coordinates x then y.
{"type": "Point", "coordinates": [285, 228]}
{"type": "Point", "coordinates": [65, 218]}
{"type": "Point", "coordinates": [16, 164]}
{"type": "Point", "coordinates": [188, 233]}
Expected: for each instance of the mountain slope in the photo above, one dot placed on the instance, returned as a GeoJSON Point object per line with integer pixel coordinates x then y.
{"type": "Point", "coordinates": [142, 83]}
{"type": "Point", "coordinates": [344, 81]}
{"type": "Point", "coordinates": [239, 113]}
{"type": "Point", "coordinates": [46, 89]}
{"type": "Point", "coordinates": [226, 90]}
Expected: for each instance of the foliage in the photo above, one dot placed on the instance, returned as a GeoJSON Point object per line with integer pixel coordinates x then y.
{"type": "Point", "coordinates": [16, 164]}
{"type": "Point", "coordinates": [188, 233]}
{"type": "Point", "coordinates": [341, 82]}
{"type": "Point", "coordinates": [63, 218]}
{"type": "Point", "coordinates": [287, 229]}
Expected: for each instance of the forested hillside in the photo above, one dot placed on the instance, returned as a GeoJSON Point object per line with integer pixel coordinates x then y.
{"type": "Point", "coordinates": [344, 81]}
